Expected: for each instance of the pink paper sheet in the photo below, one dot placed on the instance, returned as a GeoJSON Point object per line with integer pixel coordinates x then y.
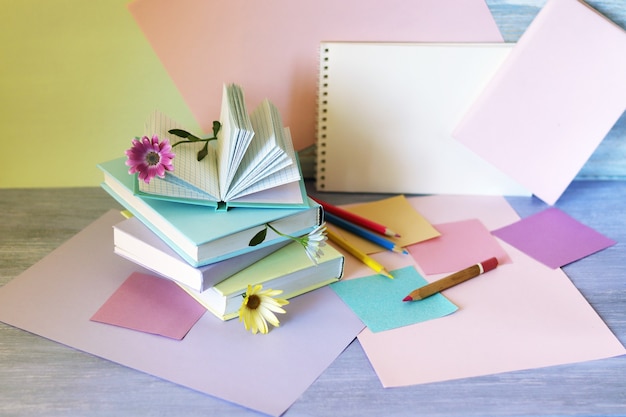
{"type": "Point", "coordinates": [271, 47]}
{"type": "Point", "coordinates": [519, 316]}
{"type": "Point", "coordinates": [553, 237]}
{"type": "Point", "coordinates": [538, 119]}
{"type": "Point", "coordinates": [151, 304]}
{"type": "Point", "coordinates": [461, 244]}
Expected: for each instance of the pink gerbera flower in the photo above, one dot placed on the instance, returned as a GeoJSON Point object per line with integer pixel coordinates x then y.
{"type": "Point", "coordinates": [150, 158]}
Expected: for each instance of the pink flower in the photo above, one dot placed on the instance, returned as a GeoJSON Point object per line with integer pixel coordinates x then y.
{"type": "Point", "coordinates": [150, 158]}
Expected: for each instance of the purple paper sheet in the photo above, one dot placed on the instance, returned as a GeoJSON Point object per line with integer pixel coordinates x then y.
{"type": "Point", "coordinates": [553, 238]}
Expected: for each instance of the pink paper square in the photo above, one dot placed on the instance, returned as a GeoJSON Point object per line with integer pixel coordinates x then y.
{"type": "Point", "coordinates": [152, 305]}
{"type": "Point", "coordinates": [461, 244]}
{"type": "Point", "coordinates": [553, 238]}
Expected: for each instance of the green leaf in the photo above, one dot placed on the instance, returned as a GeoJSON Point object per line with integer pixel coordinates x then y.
{"type": "Point", "coordinates": [202, 153]}
{"type": "Point", "coordinates": [184, 134]}
{"type": "Point", "coordinates": [258, 238]}
{"type": "Point", "coordinates": [216, 127]}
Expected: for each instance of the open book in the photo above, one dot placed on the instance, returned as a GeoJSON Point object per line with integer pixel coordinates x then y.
{"type": "Point", "coordinates": [252, 162]}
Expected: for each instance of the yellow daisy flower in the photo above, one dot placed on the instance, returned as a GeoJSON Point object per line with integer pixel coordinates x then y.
{"type": "Point", "coordinates": [258, 308]}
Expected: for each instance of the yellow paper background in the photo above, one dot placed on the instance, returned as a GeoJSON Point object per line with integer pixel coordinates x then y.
{"type": "Point", "coordinates": [77, 81]}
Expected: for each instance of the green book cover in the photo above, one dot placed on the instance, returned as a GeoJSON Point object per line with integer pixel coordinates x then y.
{"type": "Point", "coordinates": [288, 269]}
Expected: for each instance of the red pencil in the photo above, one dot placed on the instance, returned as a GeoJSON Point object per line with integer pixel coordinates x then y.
{"type": "Point", "coordinates": [355, 218]}
{"type": "Point", "coordinates": [452, 280]}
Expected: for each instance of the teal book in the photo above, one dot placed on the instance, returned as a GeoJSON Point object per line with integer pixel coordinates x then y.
{"type": "Point", "coordinates": [202, 235]}
{"type": "Point", "coordinates": [288, 269]}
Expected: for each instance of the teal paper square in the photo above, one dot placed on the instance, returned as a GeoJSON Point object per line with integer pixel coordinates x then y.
{"type": "Point", "coordinates": [377, 300]}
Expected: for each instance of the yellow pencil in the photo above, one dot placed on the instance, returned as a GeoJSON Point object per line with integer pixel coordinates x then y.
{"type": "Point", "coordinates": [363, 257]}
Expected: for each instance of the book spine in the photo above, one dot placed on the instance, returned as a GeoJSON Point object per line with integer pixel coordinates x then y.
{"type": "Point", "coordinates": [322, 102]}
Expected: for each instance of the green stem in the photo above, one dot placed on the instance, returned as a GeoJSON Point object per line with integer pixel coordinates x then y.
{"type": "Point", "coordinates": [282, 234]}
{"type": "Point", "coordinates": [193, 141]}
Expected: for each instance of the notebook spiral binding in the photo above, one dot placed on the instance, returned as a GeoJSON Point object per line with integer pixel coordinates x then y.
{"type": "Point", "coordinates": [322, 98]}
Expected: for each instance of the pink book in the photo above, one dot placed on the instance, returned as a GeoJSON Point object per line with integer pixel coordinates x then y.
{"type": "Point", "coordinates": [553, 100]}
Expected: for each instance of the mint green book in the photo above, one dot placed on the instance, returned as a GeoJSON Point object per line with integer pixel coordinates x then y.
{"type": "Point", "coordinates": [202, 235]}
{"type": "Point", "coordinates": [288, 269]}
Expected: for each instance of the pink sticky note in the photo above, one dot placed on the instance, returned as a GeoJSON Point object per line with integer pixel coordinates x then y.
{"type": "Point", "coordinates": [152, 305]}
{"type": "Point", "coordinates": [461, 244]}
{"type": "Point", "coordinates": [553, 238]}
{"type": "Point", "coordinates": [271, 47]}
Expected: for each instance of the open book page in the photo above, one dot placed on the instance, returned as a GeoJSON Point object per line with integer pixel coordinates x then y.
{"type": "Point", "coordinates": [234, 136]}
{"type": "Point", "coordinates": [202, 176]}
{"type": "Point", "coordinates": [279, 180]}
{"type": "Point", "coordinates": [266, 154]}
{"type": "Point", "coordinates": [171, 187]}
{"type": "Point", "coordinates": [252, 153]}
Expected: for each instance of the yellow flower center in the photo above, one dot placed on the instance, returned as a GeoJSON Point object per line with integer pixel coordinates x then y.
{"type": "Point", "coordinates": [254, 301]}
{"type": "Point", "coordinates": [152, 158]}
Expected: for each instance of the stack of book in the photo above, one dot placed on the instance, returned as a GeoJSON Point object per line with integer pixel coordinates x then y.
{"type": "Point", "coordinates": [222, 218]}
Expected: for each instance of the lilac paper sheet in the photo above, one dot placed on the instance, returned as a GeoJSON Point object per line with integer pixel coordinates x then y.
{"type": "Point", "coordinates": [553, 238]}
{"type": "Point", "coordinates": [56, 297]}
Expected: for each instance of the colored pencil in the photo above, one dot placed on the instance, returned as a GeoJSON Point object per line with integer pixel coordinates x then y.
{"type": "Point", "coordinates": [355, 218]}
{"type": "Point", "coordinates": [452, 280]}
{"type": "Point", "coordinates": [363, 257]}
{"type": "Point", "coordinates": [364, 233]}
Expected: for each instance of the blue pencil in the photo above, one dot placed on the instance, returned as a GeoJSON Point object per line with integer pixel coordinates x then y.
{"type": "Point", "coordinates": [364, 233]}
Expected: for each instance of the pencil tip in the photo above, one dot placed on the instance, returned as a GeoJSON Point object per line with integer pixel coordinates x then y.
{"type": "Point", "coordinates": [397, 235]}
{"type": "Point", "coordinates": [407, 298]}
{"type": "Point", "coordinates": [387, 274]}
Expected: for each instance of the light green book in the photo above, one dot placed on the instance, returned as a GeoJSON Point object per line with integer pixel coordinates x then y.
{"type": "Point", "coordinates": [288, 269]}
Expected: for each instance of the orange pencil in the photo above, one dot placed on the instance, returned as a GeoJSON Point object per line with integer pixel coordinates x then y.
{"type": "Point", "coordinates": [452, 280]}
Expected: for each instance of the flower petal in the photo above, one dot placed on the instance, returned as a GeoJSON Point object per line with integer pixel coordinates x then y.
{"type": "Point", "coordinates": [272, 307]}
{"type": "Point", "coordinates": [259, 322]}
{"type": "Point", "coordinates": [268, 315]}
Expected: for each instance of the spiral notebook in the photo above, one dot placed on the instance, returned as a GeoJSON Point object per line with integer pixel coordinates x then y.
{"type": "Point", "coordinates": [386, 112]}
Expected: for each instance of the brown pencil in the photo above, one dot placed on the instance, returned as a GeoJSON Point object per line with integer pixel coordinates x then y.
{"type": "Point", "coordinates": [452, 280]}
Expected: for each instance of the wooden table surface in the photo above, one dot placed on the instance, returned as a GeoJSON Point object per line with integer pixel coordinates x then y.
{"type": "Point", "coordinates": [42, 378]}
